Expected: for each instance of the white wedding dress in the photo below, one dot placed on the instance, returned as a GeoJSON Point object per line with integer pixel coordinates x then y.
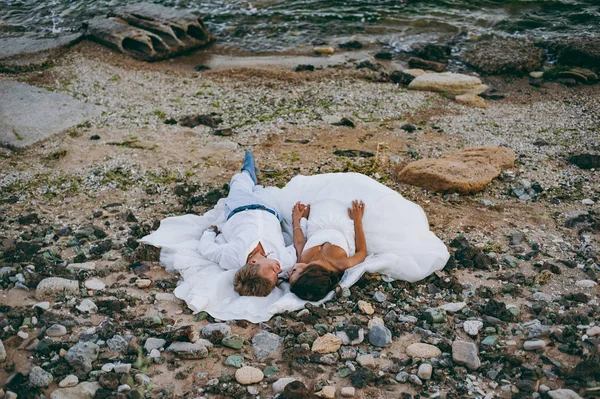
{"type": "Point", "coordinates": [399, 243]}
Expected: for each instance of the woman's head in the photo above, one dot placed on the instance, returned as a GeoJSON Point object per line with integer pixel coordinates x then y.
{"type": "Point", "coordinates": [312, 282]}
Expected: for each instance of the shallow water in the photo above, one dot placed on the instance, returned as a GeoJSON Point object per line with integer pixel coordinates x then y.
{"type": "Point", "coordinates": [269, 25]}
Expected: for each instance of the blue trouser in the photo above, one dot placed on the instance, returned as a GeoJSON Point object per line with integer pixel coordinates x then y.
{"type": "Point", "coordinates": [245, 195]}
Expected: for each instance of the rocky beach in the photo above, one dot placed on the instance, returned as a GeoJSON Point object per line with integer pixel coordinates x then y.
{"type": "Point", "coordinates": [502, 152]}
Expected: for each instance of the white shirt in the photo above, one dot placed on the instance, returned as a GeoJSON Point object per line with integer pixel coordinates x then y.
{"type": "Point", "coordinates": [243, 231]}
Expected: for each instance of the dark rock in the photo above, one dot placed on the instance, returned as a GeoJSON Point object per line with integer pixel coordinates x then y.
{"type": "Point", "coordinates": [351, 45]}
{"type": "Point", "coordinates": [503, 56]}
{"type": "Point", "coordinates": [95, 137]}
{"type": "Point", "coordinates": [210, 120]}
{"type": "Point", "coordinates": [384, 55]}
{"type": "Point", "coordinates": [109, 381]}
{"type": "Point", "coordinates": [304, 67]}
{"type": "Point", "coordinates": [491, 94]}
{"type": "Point", "coordinates": [578, 297]}
{"type": "Point", "coordinates": [581, 51]}
{"type": "Point", "coordinates": [297, 390]}
{"type": "Point", "coordinates": [498, 310]}
{"type": "Point", "coordinates": [401, 78]}
{"type": "Point", "coordinates": [201, 68]}
{"type": "Point", "coordinates": [150, 32]}
{"type": "Point", "coordinates": [586, 161]}
{"type": "Point", "coordinates": [567, 82]}
{"type": "Point", "coordinates": [409, 127]}
{"type": "Point", "coordinates": [420, 63]}
{"type": "Point", "coordinates": [227, 132]}
{"type": "Point", "coordinates": [346, 122]}
{"type": "Point", "coordinates": [353, 153]}
{"type": "Point", "coordinates": [29, 219]}
{"type": "Point", "coordinates": [368, 65]}
{"type": "Point", "coordinates": [170, 121]}
{"type": "Point", "coordinates": [101, 248]}
{"type": "Point", "coordinates": [361, 377]}
{"type": "Point", "coordinates": [432, 51]}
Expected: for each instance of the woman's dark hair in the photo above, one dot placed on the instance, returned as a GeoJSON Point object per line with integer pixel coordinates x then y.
{"type": "Point", "coordinates": [315, 283]}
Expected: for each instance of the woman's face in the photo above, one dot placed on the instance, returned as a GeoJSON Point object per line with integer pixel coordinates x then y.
{"type": "Point", "coordinates": [296, 271]}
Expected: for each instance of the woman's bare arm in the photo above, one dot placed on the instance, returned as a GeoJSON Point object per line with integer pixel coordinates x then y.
{"type": "Point", "coordinates": [298, 235]}
{"type": "Point", "coordinates": [356, 214]}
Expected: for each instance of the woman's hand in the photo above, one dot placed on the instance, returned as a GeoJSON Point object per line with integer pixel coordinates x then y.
{"type": "Point", "coordinates": [300, 210]}
{"type": "Point", "coordinates": [357, 210]}
{"type": "Point", "coordinates": [214, 228]}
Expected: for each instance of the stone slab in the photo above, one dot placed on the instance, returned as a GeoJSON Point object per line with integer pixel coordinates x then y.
{"type": "Point", "coordinates": [29, 114]}
{"type": "Point", "coordinates": [28, 52]}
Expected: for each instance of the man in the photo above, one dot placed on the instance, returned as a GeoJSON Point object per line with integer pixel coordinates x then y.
{"type": "Point", "coordinates": [252, 231]}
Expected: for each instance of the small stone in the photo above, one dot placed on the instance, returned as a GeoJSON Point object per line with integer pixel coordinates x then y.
{"type": "Point", "coordinates": [592, 332]}
{"type": "Point", "coordinates": [142, 379]}
{"type": "Point", "coordinates": [466, 353]}
{"type": "Point", "coordinates": [586, 283]}
{"type": "Point", "coordinates": [351, 335]}
{"type": "Point", "coordinates": [347, 353]}
{"type": "Point", "coordinates": [380, 336]}
{"type": "Point", "coordinates": [270, 371]}
{"type": "Point", "coordinates": [22, 334]}
{"type": "Point", "coordinates": [253, 390]}
{"type": "Point", "coordinates": [2, 352]}
{"type": "Point", "coordinates": [188, 350]}
{"type": "Point", "coordinates": [324, 50]}
{"type": "Point", "coordinates": [425, 371]}
{"type": "Point", "coordinates": [366, 361]}
{"type": "Point", "coordinates": [308, 337]}
{"type": "Point", "coordinates": [69, 381]}
{"type": "Point", "coordinates": [402, 377]}
{"type": "Point", "coordinates": [471, 100]}
{"type": "Point", "coordinates": [56, 330]}
{"type": "Point", "coordinates": [42, 305]}
{"type": "Point", "coordinates": [154, 353]}
{"type": "Point", "coordinates": [366, 307]}
{"type": "Point", "coordinates": [143, 282]}
{"type": "Point", "coordinates": [95, 284]}
{"type": "Point", "coordinates": [541, 297]}
{"type": "Point", "coordinates": [117, 344]}
{"type": "Point", "coordinates": [453, 307]}
{"type": "Point", "coordinates": [154, 343]}
{"type": "Point", "coordinates": [472, 327]}
{"type": "Point", "coordinates": [347, 392]}
{"type": "Point", "coordinates": [122, 368]}
{"type": "Point", "coordinates": [413, 379]}
{"type": "Point", "coordinates": [84, 389]}
{"type": "Point", "coordinates": [434, 316]}
{"type": "Point", "coordinates": [248, 375]}
{"type": "Point", "coordinates": [234, 361]}
{"type": "Point", "coordinates": [53, 286]}
{"type": "Point", "coordinates": [490, 341]}
{"type": "Point", "coordinates": [588, 201]}
{"type": "Point", "coordinates": [80, 357]}
{"type": "Point", "coordinates": [375, 320]}
{"type": "Point", "coordinates": [563, 394]}
{"type": "Point", "coordinates": [424, 351]}
{"type": "Point", "coordinates": [328, 343]}
{"type": "Point", "coordinates": [265, 343]}
{"type": "Point", "coordinates": [280, 384]}
{"type": "Point", "coordinates": [233, 341]}
{"type": "Point", "coordinates": [40, 377]}
{"type": "Point", "coordinates": [328, 392]}
{"type": "Point", "coordinates": [536, 74]}
{"type": "Point", "coordinates": [534, 345]}
{"type": "Point", "coordinates": [379, 296]}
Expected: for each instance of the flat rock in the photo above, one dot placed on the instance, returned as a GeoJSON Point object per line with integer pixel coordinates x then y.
{"type": "Point", "coordinates": [453, 307]}
{"type": "Point", "coordinates": [472, 327]}
{"type": "Point", "coordinates": [87, 306]}
{"type": "Point", "coordinates": [69, 381]}
{"type": "Point", "coordinates": [86, 266]}
{"type": "Point", "coordinates": [248, 375]}
{"type": "Point", "coordinates": [29, 114]}
{"type": "Point", "coordinates": [505, 56]}
{"type": "Point", "coordinates": [586, 283]}
{"type": "Point", "coordinates": [30, 51]}
{"type": "Point", "coordinates": [422, 350]}
{"type": "Point", "coordinates": [471, 100]}
{"type": "Point", "coordinates": [453, 84]}
{"type": "Point", "coordinates": [189, 350]}
{"type": "Point", "coordinates": [380, 336]}
{"type": "Point", "coordinates": [84, 390]}
{"type": "Point", "coordinates": [53, 286]}
{"type": "Point", "coordinates": [95, 284]}
{"type": "Point", "coordinates": [563, 394]}
{"type": "Point", "coordinates": [466, 353]}
{"type": "Point", "coordinates": [328, 343]}
{"type": "Point", "coordinates": [465, 171]}
{"type": "Point", "coordinates": [265, 343]}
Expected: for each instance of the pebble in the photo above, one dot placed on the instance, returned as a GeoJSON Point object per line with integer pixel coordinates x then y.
{"type": "Point", "coordinates": [265, 343]}
{"type": "Point", "coordinates": [234, 361]}
{"type": "Point", "coordinates": [87, 306]}
{"type": "Point", "coordinates": [69, 381]}
{"type": "Point", "coordinates": [233, 341]}
{"type": "Point", "coordinates": [327, 392]}
{"type": "Point", "coordinates": [466, 353]}
{"type": "Point", "coordinates": [366, 361]}
{"type": "Point", "coordinates": [324, 50]}
{"type": "Point", "coordinates": [328, 343]}
{"type": "Point", "coordinates": [40, 377]}
{"type": "Point", "coordinates": [221, 328]}
{"type": "Point", "coordinates": [53, 286]}
{"type": "Point", "coordinates": [188, 350]}
{"type": "Point", "coordinates": [563, 394]}
{"type": "Point", "coordinates": [472, 327]}
{"type": "Point", "coordinates": [22, 334]}
{"type": "Point", "coordinates": [95, 284]}
{"type": "Point", "coordinates": [154, 343]}
{"type": "Point", "coordinates": [591, 332]}
{"type": "Point", "coordinates": [534, 345]}
{"type": "Point", "coordinates": [143, 283]}
{"type": "Point", "coordinates": [84, 389]}
{"type": "Point", "coordinates": [588, 201]}
{"type": "Point", "coordinates": [154, 353]}
{"type": "Point", "coordinates": [375, 320]}
{"type": "Point", "coordinates": [422, 350]}
{"type": "Point", "coordinates": [280, 384]}
{"type": "Point", "coordinates": [253, 390]}
{"type": "Point", "coordinates": [402, 377]}
{"type": "Point", "coordinates": [347, 392]}
{"type": "Point", "coordinates": [366, 307]}
{"type": "Point", "coordinates": [536, 74]}
{"type": "Point", "coordinates": [56, 330]}
{"type": "Point", "coordinates": [248, 375]}
{"type": "Point", "coordinates": [347, 353]}
{"type": "Point", "coordinates": [453, 307]}
{"type": "Point", "coordinates": [586, 283]}
{"type": "Point", "coordinates": [413, 379]}
{"type": "Point", "coordinates": [380, 336]}
{"type": "Point", "coordinates": [379, 296]}
{"type": "Point", "coordinates": [2, 352]}
{"type": "Point", "coordinates": [425, 371]}
{"type": "Point", "coordinates": [86, 266]}
{"type": "Point", "coordinates": [541, 297]}
{"type": "Point", "coordinates": [117, 344]}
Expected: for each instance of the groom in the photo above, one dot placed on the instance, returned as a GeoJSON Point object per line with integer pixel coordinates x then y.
{"type": "Point", "coordinates": [252, 231]}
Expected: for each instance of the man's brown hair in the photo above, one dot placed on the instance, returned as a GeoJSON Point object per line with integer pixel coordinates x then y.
{"type": "Point", "coordinates": [315, 283]}
{"type": "Point", "coordinates": [249, 282]}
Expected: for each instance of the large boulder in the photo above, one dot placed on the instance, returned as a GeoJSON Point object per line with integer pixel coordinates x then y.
{"type": "Point", "coordinates": [502, 56]}
{"type": "Point", "coordinates": [466, 171]}
{"type": "Point", "coordinates": [577, 51]}
{"type": "Point", "coordinates": [150, 32]}
{"type": "Point", "coordinates": [453, 84]}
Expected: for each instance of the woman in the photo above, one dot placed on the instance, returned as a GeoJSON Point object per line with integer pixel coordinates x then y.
{"type": "Point", "coordinates": [329, 252]}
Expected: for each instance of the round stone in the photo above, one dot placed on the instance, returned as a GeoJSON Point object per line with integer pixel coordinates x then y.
{"type": "Point", "coordinates": [40, 377]}
{"type": "Point", "coordinates": [534, 345]}
{"type": "Point", "coordinates": [472, 327]}
{"type": "Point", "coordinates": [425, 371]}
{"type": "Point", "coordinates": [69, 381]}
{"type": "Point", "coordinates": [248, 375]}
{"type": "Point", "coordinates": [95, 284]}
{"type": "Point", "coordinates": [424, 351]}
{"type": "Point", "coordinates": [56, 330]}
{"type": "Point", "coordinates": [380, 336]}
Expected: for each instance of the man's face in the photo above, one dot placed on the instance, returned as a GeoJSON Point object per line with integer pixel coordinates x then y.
{"type": "Point", "coordinates": [269, 268]}
{"type": "Point", "coordinates": [296, 271]}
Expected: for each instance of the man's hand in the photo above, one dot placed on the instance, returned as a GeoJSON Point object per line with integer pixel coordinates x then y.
{"type": "Point", "coordinates": [299, 211]}
{"type": "Point", "coordinates": [215, 229]}
{"type": "Point", "coordinates": [357, 210]}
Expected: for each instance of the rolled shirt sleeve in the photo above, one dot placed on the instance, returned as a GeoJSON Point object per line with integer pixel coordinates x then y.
{"type": "Point", "coordinates": [225, 255]}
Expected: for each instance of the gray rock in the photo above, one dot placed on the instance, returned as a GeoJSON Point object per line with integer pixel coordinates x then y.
{"type": "Point", "coordinates": [188, 350]}
{"type": "Point", "coordinates": [87, 266]}
{"type": "Point", "coordinates": [379, 296]}
{"type": "Point", "coordinates": [534, 345]}
{"type": "Point", "coordinates": [40, 377]}
{"type": "Point", "coordinates": [51, 286]}
{"type": "Point", "coordinates": [54, 111]}
{"type": "Point", "coordinates": [117, 344]}
{"type": "Point", "coordinates": [563, 394]}
{"type": "Point", "coordinates": [84, 390]}
{"type": "Point", "coordinates": [413, 379]}
{"type": "Point", "coordinates": [220, 328]}
{"type": "Point", "coordinates": [347, 353]}
{"type": "Point", "coordinates": [351, 335]}
{"type": "Point", "coordinates": [87, 306]}
{"type": "Point", "coordinates": [154, 343]}
{"type": "Point", "coordinates": [280, 384]}
{"type": "Point", "coordinates": [265, 343]}
{"type": "Point", "coordinates": [466, 353]}
{"type": "Point", "coordinates": [425, 371]}
{"type": "Point", "coordinates": [56, 330]}
{"type": "Point", "coordinates": [307, 337]}
{"type": "Point", "coordinates": [150, 32]}
{"type": "Point", "coordinates": [81, 356]}
{"type": "Point", "coordinates": [541, 297]}
{"type": "Point", "coordinates": [504, 56]}
{"type": "Point", "coordinates": [402, 377]}
{"type": "Point", "coordinates": [380, 336]}
{"type": "Point", "coordinates": [2, 352]}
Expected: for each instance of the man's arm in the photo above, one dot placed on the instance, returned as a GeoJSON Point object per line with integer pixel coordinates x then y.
{"type": "Point", "coordinates": [298, 211]}
{"type": "Point", "coordinates": [218, 253]}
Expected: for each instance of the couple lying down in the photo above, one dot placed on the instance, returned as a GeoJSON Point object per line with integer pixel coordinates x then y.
{"type": "Point", "coordinates": [264, 229]}
{"type": "Point", "coordinates": [254, 243]}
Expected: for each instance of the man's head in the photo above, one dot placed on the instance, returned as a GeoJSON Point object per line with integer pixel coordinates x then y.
{"type": "Point", "coordinates": [258, 277]}
{"type": "Point", "coordinates": [312, 282]}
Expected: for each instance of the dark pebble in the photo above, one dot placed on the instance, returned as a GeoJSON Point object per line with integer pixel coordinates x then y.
{"type": "Point", "coordinates": [224, 132]}
{"type": "Point", "coordinates": [201, 67]}
{"type": "Point", "coordinates": [409, 127]}
{"type": "Point", "coordinates": [304, 67]}
{"type": "Point", "coordinates": [384, 55]}
{"type": "Point", "coordinates": [170, 121]}
{"type": "Point", "coordinates": [351, 45]}
{"type": "Point", "coordinates": [95, 137]}
{"type": "Point", "coordinates": [29, 219]}
{"type": "Point", "coordinates": [368, 65]}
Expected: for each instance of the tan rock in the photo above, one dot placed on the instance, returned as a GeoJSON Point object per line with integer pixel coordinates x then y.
{"type": "Point", "coordinates": [328, 343]}
{"type": "Point", "coordinates": [324, 50]}
{"type": "Point", "coordinates": [471, 100]}
{"type": "Point", "coordinates": [348, 392]}
{"type": "Point", "coordinates": [249, 375]}
{"type": "Point", "coordinates": [328, 392]}
{"type": "Point", "coordinates": [414, 72]}
{"type": "Point", "coordinates": [366, 360]}
{"type": "Point", "coordinates": [366, 307]}
{"type": "Point", "coordinates": [424, 351]}
{"type": "Point", "coordinates": [466, 171]}
{"type": "Point", "coordinates": [143, 282]}
{"type": "Point", "coordinates": [450, 83]}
